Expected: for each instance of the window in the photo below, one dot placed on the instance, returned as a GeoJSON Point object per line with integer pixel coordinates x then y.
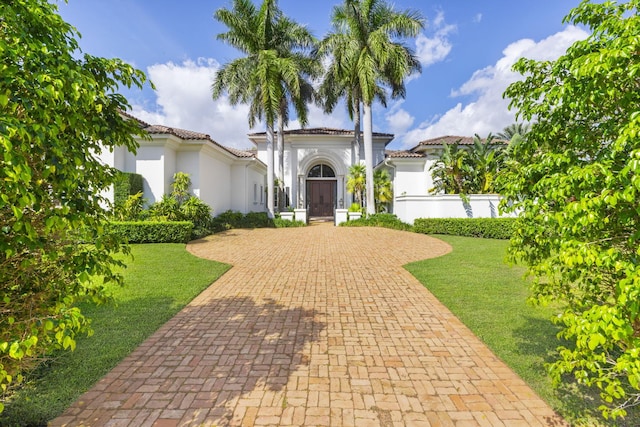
{"type": "Point", "coordinates": [255, 193]}
{"type": "Point", "coordinates": [261, 194]}
{"type": "Point", "coordinates": [321, 171]}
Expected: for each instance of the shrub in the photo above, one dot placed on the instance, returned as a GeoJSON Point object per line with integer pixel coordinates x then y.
{"type": "Point", "coordinates": [152, 231]}
{"type": "Point", "coordinates": [355, 207]}
{"type": "Point", "coordinates": [126, 184]}
{"type": "Point", "coordinates": [58, 112]}
{"type": "Point", "coordinates": [232, 219]}
{"type": "Point", "coordinates": [131, 210]}
{"type": "Point", "coordinates": [196, 211]}
{"type": "Point", "coordinates": [257, 220]}
{"type": "Point", "coordinates": [490, 228]}
{"type": "Point", "coordinates": [385, 220]}
{"type": "Point", "coordinates": [283, 223]}
{"type": "Point", "coordinates": [167, 209]}
{"type": "Point", "coordinates": [226, 221]}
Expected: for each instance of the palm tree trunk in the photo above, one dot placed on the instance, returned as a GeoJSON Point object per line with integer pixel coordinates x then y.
{"type": "Point", "coordinates": [367, 122]}
{"type": "Point", "coordinates": [270, 174]}
{"type": "Point", "coordinates": [281, 200]}
{"type": "Point", "coordinates": [356, 132]}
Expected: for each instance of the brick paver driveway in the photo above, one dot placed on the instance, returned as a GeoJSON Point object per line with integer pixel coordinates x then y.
{"type": "Point", "coordinates": [314, 326]}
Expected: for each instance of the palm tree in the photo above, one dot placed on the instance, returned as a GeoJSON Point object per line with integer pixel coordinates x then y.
{"type": "Point", "coordinates": [514, 129]}
{"type": "Point", "coordinates": [356, 181]}
{"type": "Point", "coordinates": [267, 73]}
{"type": "Point", "coordinates": [296, 41]}
{"type": "Point", "coordinates": [368, 56]}
{"type": "Point", "coordinates": [451, 171]}
{"type": "Point", "coordinates": [342, 82]}
{"type": "Point", "coordinates": [383, 191]}
{"type": "Point", "coordinates": [484, 160]}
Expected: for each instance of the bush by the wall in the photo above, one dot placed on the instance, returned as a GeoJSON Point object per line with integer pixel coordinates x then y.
{"type": "Point", "coordinates": [491, 228]}
{"type": "Point", "coordinates": [153, 231]}
{"type": "Point", "coordinates": [385, 220]}
{"type": "Point", "coordinates": [126, 184]}
{"type": "Point", "coordinates": [231, 219]}
{"type": "Point", "coordinates": [284, 223]}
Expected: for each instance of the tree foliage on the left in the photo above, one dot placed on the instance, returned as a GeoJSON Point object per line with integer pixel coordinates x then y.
{"type": "Point", "coordinates": [58, 110]}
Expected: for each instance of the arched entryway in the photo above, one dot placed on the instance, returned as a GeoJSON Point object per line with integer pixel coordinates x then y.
{"type": "Point", "coordinates": [321, 190]}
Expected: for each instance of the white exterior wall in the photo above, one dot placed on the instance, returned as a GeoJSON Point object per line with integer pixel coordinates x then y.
{"type": "Point", "coordinates": [189, 162]}
{"type": "Point", "coordinates": [410, 177]}
{"type": "Point", "coordinates": [410, 207]}
{"type": "Point", "coordinates": [247, 185]}
{"type": "Point", "coordinates": [150, 163]}
{"type": "Point", "coordinates": [215, 182]}
{"type": "Point", "coordinates": [240, 186]}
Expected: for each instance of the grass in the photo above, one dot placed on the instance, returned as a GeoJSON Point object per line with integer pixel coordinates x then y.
{"type": "Point", "coordinates": [490, 297]}
{"type": "Point", "coordinates": [161, 279]}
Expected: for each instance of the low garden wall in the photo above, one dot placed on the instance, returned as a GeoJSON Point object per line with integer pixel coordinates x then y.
{"type": "Point", "coordinates": [407, 208]}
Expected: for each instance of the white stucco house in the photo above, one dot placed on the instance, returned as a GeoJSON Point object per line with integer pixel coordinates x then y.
{"type": "Point", "coordinates": [316, 168]}
{"type": "Point", "coordinates": [223, 177]}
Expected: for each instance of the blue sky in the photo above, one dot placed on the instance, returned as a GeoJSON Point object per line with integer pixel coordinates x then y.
{"type": "Point", "coordinates": [466, 51]}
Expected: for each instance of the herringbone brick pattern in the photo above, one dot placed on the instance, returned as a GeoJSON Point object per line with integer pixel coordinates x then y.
{"type": "Point", "coordinates": [315, 326]}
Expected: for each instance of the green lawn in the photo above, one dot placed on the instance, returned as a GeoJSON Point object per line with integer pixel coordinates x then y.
{"type": "Point", "coordinates": [489, 296]}
{"type": "Point", "coordinates": [161, 279]}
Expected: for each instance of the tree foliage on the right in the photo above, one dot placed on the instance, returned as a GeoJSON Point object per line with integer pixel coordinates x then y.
{"type": "Point", "coordinates": [576, 182]}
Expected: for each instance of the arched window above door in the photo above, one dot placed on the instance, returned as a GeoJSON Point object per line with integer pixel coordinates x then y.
{"type": "Point", "coordinates": [321, 171]}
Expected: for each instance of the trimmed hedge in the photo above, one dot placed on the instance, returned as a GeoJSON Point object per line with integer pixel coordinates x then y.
{"type": "Point", "coordinates": [152, 231]}
{"type": "Point", "coordinates": [489, 228]}
{"type": "Point", "coordinates": [385, 220]}
{"type": "Point", "coordinates": [126, 184]}
{"type": "Point", "coordinates": [285, 223]}
{"type": "Point", "coordinates": [231, 219]}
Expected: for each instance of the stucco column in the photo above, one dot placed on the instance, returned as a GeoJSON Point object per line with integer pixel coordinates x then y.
{"type": "Point", "coordinates": [341, 193]}
{"type": "Point", "coordinates": [294, 177]}
{"type": "Point", "coordinates": [302, 191]}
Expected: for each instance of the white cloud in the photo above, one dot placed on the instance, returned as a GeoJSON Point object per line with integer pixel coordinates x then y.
{"type": "Point", "coordinates": [184, 101]}
{"type": "Point", "coordinates": [430, 50]}
{"type": "Point", "coordinates": [398, 120]}
{"type": "Point", "coordinates": [489, 111]}
{"type": "Point", "coordinates": [477, 18]}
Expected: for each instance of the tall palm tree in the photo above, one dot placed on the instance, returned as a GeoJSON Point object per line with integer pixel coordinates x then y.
{"type": "Point", "coordinates": [266, 74]}
{"type": "Point", "coordinates": [371, 56]}
{"type": "Point", "coordinates": [295, 42]}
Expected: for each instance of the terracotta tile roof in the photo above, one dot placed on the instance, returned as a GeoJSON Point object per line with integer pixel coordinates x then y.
{"type": "Point", "coordinates": [417, 151]}
{"type": "Point", "coordinates": [449, 139]}
{"type": "Point", "coordinates": [180, 133]}
{"type": "Point", "coordinates": [322, 131]}
{"type": "Point", "coordinates": [140, 122]}
{"type": "Point", "coordinates": [191, 135]}
{"type": "Point", "coordinates": [241, 153]}
{"type": "Point", "coordinates": [187, 135]}
{"type": "Point", "coordinates": [403, 154]}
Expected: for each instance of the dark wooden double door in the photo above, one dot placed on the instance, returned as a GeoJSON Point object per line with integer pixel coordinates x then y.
{"type": "Point", "coordinates": [321, 196]}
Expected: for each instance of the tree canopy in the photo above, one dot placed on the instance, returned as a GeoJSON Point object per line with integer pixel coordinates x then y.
{"type": "Point", "coordinates": [59, 110]}
{"type": "Point", "coordinates": [576, 181]}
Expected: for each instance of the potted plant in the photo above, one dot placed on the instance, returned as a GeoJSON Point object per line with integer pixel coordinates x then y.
{"type": "Point", "coordinates": [287, 214]}
{"type": "Point", "coordinates": [355, 211]}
